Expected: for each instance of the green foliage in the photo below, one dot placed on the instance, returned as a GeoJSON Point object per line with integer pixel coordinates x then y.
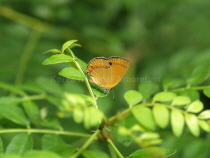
{"type": "Point", "coordinates": [149, 110]}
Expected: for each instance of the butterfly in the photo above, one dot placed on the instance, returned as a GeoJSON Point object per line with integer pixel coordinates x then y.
{"type": "Point", "coordinates": [107, 72]}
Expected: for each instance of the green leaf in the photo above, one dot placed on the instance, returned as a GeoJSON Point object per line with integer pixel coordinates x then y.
{"type": "Point", "coordinates": [82, 64]}
{"type": "Point", "coordinates": [51, 140]}
{"type": "Point", "coordinates": [192, 123]}
{"type": "Point", "coordinates": [192, 94]}
{"type": "Point", "coordinates": [72, 73]}
{"type": "Point", "coordinates": [69, 44]}
{"type": "Point", "coordinates": [72, 99]}
{"type": "Point", "coordinates": [144, 116]}
{"type": "Point", "coordinates": [148, 89]}
{"type": "Point", "coordinates": [164, 97]}
{"type": "Point", "coordinates": [32, 111]}
{"type": "Point", "coordinates": [161, 115]}
{"type": "Point", "coordinates": [170, 83]}
{"type": "Point", "coordinates": [204, 125]}
{"type": "Point", "coordinates": [92, 117]}
{"type": "Point", "coordinates": [14, 114]}
{"type": "Point", "coordinates": [207, 92]}
{"type": "Point", "coordinates": [40, 154]}
{"type": "Point", "coordinates": [204, 114]}
{"type": "Point", "coordinates": [177, 122]}
{"type": "Point", "coordinates": [1, 148]}
{"type": "Point", "coordinates": [132, 97]}
{"type": "Point", "coordinates": [12, 88]}
{"type": "Point", "coordinates": [195, 106]}
{"type": "Point", "coordinates": [52, 51]}
{"type": "Point", "coordinates": [20, 144]}
{"type": "Point", "coordinates": [94, 154]}
{"type": "Point", "coordinates": [58, 58]}
{"type": "Point", "coordinates": [78, 115]}
{"type": "Point", "coordinates": [10, 100]}
{"type": "Point", "coordinates": [152, 152]}
{"type": "Point", "coordinates": [49, 85]}
{"type": "Point", "coordinates": [181, 100]}
{"type": "Point", "coordinates": [51, 123]}
{"type": "Point", "coordinates": [199, 75]}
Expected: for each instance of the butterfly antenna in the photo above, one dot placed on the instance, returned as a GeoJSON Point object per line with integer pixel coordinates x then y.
{"type": "Point", "coordinates": [113, 94]}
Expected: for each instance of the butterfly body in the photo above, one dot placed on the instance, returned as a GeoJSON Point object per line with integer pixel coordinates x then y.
{"type": "Point", "coordinates": [107, 72]}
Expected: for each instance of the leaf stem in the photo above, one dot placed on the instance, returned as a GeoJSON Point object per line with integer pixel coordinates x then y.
{"type": "Point", "coordinates": [75, 134]}
{"type": "Point", "coordinates": [115, 148]}
{"type": "Point", "coordinates": [87, 143]}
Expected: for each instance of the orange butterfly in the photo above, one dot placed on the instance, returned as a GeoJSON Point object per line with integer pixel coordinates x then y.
{"type": "Point", "coordinates": [107, 72]}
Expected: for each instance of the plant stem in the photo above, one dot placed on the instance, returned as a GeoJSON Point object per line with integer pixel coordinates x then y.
{"type": "Point", "coordinates": [115, 148]}
{"type": "Point", "coordinates": [44, 131]}
{"type": "Point", "coordinates": [87, 143]}
{"type": "Point", "coordinates": [86, 79]}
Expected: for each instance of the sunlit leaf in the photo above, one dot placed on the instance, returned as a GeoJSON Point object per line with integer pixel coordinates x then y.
{"type": "Point", "coordinates": [40, 154]}
{"type": "Point", "coordinates": [204, 125]}
{"type": "Point", "coordinates": [78, 115]}
{"type": "Point", "coordinates": [177, 122]}
{"type": "Point", "coordinates": [195, 106]}
{"type": "Point", "coordinates": [152, 152]}
{"type": "Point", "coordinates": [192, 123]}
{"type": "Point", "coordinates": [13, 113]}
{"type": "Point", "coordinates": [181, 100]}
{"type": "Point", "coordinates": [207, 92]}
{"type": "Point", "coordinates": [161, 115]}
{"type": "Point", "coordinates": [72, 73]}
{"type": "Point", "coordinates": [144, 116]}
{"type": "Point", "coordinates": [58, 58]}
{"type": "Point", "coordinates": [204, 114]}
{"type": "Point", "coordinates": [164, 96]}
{"type": "Point", "coordinates": [20, 144]}
{"type": "Point", "coordinates": [69, 44]}
{"type": "Point", "coordinates": [52, 51]}
{"type": "Point", "coordinates": [132, 97]}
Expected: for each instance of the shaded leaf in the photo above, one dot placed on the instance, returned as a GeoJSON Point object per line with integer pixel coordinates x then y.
{"type": "Point", "coordinates": [94, 154]}
{"type": "Point", "coordinates": [72, 73]}
{"type": "Point", "coordinates": [32, 111]}
{"type": "Point", "coordinates": [1, 148]}
{"type": "Point", "coordinates": [10, 100]}
{"type": "Point", "coordinates": [132, 97]}
{"type": "Point", "coordinates": [153, 152]}
{"type": "Point", "coordinates": [192, 123]}
{"type": "Point", "coordinates": [195, 106]}
{"type": "Point", "coordinates": [51, 140]}
{"type": "Point", "coordinates": [181, 100]}
{"type": "Point", "coordinates": [49, 85]}
{"type": "Point", "coordinates": [13, 113]}
{"type": "Point", "coordinates": [164, 96]}
{"type": "Point", "coordinates": [144, 116]}
{"type": "Point", "coordinates": [58, 58]}
{"type": "Point", "coordinates": [177, 122]}
{"type": "Point", "coordinates": [192, 94]}
{"type": "Point", "coordinates": [20, 144]}
{"type": "Point", "coordinates": [148, 89]}
{"type": "Point", "coordinates": [199, 75]}
{"type": "Point", "coordinates": [12, 88]}
{"type": "Point", "coordinates": [161, 115]}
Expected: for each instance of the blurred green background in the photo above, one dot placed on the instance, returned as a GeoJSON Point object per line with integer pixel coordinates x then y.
{"type": "Point", "coordinates": [163, 39]}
